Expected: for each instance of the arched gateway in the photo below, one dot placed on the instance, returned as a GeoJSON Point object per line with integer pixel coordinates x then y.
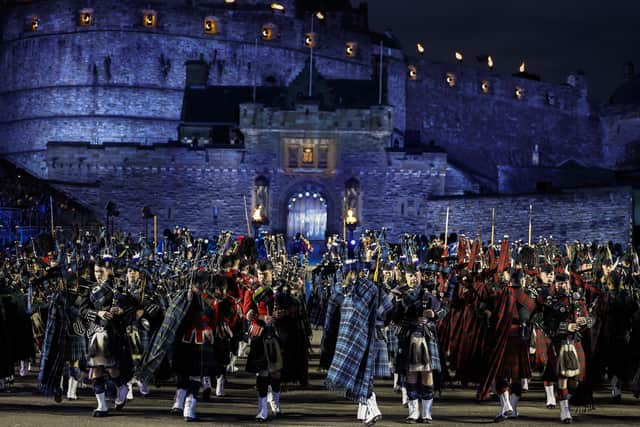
{"type": "Point", "coordinates": [307, 214]}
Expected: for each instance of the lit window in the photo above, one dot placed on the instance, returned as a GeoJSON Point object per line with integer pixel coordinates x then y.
{"type": "Point", "coordinates": [277, 7]}
{"type": "Point", "coordinates": [268, 32]}
{"type": "Point", "coordinates": [307, 156]}
{"type": "Point", "coordinates": [210, 25]}
{"type": "Point", "coordinates": [351, 49]}
{"type": "Point", "coordinates": [149, 18]}
{"type": "Point", "coordinates": [451, 79]}
{"type": "Point", "coordinates": [519, 92]}
{"type": "Point", "coordinates": [485, 86]}
{"type": "Point", "coordinates": [229, 1]}
{"type": "Point", "coordinates": [310, 40]}
{"type": "Point", "coordinates": [86, 18]}
{"type": "Point", "coordinates": [35, 23]}
{"type": "Point", "coordinates": [413, 72]}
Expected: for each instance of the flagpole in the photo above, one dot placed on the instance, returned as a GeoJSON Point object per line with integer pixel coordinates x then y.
{"type": "Point", "coordinates": [155, 234]}
{"type": "Point", "coordinates": [255, 71]}
{"type": "Point", "coordinates": [311, 61]}
{"type": "Point", "coordinates": [246, 216]}
{"type": "Point", "coordinates": [446, 228]}
{"type": "Point", "coordinates": [493, 224]}
{"type": "Point", "coordinates": [530, 215]}
{"type": "Point", "coordinates": [380, 73]}
{"type": "Point", "coordinates": [53, 232]}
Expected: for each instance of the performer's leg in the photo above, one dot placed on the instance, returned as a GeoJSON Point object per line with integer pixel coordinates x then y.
{"type": "Point", "coordinates": [275, 392]}
{"type": "Point", "coordinates": [563, 398]}
{"type": "Point", "coordinates": [74, 374]}
{"type": "Point", "coordinates": [182, 385]}
{"type": "Point", "coordinates": [426, 397]}
{"type": "Point", "coordinates": [262, 384]}
{"type": "Point", "coordinates": [121, 388]}
{"type": "Point", "coordinates": [516, 394]}
{"type": "Point", "coordinates": [502, 388]}
{"type": "Point", "coordinates": [206, 387]}
{"type": "Point", "coordinates": [550, 394]}
{"type": "Point", "coordinates": [220, 382]}
{"type": "Point", "coordinates": [412, 394]}
{"type": "Point", "coordinates": [190, 403]}
{"type": "Point", "coordinates": [99, 390]}
{"type": "Point", "coordinates": [616, 389]}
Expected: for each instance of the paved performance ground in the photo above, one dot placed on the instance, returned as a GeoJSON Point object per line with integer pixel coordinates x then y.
{"type": "Point", "coordinates": [314, 406]}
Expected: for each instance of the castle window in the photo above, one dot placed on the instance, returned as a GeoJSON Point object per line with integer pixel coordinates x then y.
{"type": "Point", "coordinates": [292, 156]}
{"type": "Point", "coordinates": [210, 25]}
{"type": "Point", "coordinates": [34, 23]}
{"type": "Point", "coordinates": [352, 199]}
{"type": "Point", "coordinates": [550, 98]}
{"type": "Point", "coordinates": [268, 32]}
{"type": "Point", "coordinates": [307, 155]}
{"type": "Point", "coordinates": [413, 72]}
{"type": "Point", "coordinates": [149, 18]}
{"type": "Point", "coordinates": [351, 49]}
{"type": "Point", "coordinates": [519, 93]}
{"type": "Point", "coordinates": [485, 86]}
{"type": "Point", "coordinates": [323, 157]}
{"type": "Point", "coordinates": [85, 19]}
{"type": "Point", "coordinates": [310, 40]}
{"type": "Point", "coordinates": [451, 79]}
{"type": "Point", "coordinates": [277, 7]}
{"type": "Point", "coordinates": [261, 197]}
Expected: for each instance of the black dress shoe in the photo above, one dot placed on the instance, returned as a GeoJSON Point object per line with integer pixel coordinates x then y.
{"type": "Point", "coordinates": [100, 414]}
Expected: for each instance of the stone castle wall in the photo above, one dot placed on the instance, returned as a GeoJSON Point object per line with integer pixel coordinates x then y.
{"type": "Point", "coordinates": [586, 215]}
{"type": "Point", "coordinates": [485, 130]}
{"type": "Point", "coordinates": [118, 81]}
{"type": "Point", "coordinates": [207, 188]}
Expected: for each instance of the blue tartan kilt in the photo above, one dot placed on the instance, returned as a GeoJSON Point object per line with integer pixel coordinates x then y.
{"type": "Point", "coordinates": [381, 361]}
{"type": "Point", "coordinates": [402, 358]}
{"type": "Point", "coordinates": [76, 348]}
{"type": "Point", "coordinates": [392, 343]}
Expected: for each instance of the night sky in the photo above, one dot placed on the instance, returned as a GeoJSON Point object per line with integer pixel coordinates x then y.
{"type": "Point", "coordinates": [554, 37]}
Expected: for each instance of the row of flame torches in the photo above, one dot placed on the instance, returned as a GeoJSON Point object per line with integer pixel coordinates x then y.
{"type": "Point", "coordinates": [459, 58]}
{"type": "Point", "coordinates": [150, 18]}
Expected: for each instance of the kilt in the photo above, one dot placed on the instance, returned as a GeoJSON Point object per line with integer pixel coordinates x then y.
{"type": "Point", "coordinates": [555, 363]}
{"type": "Point", "coordinates": [403, 356]}
{"type": "Point", "coordinates": [197, 360]}
{"type": "Point", "coordinates": [222, 353]}
{"type": "Point", "coordinates": [257, 360]}
{"type": "Point", "coordinates": [515, 363]}
{"type": "Point", "coordinates": [381, 358]}
{"type": "Point", "coordinates": [317, 311]}
{"type": "Point", "coordinates": [76, 348]}
{"type": "Point", "coordinates": [101, 350]}
{"type": "Point", "coordinates": [543, 347]}
{"type": "Point", "coordinates": [392, 343]}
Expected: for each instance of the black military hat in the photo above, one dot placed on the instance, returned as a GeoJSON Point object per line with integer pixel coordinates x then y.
{"type": "Point", "coordinates": [266, 265]}
{"type": "Point", "coordinates": [546, 268]}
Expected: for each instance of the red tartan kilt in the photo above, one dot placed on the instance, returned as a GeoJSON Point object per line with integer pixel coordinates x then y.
{"type": "Point", "coordinates": [541, 356]}
{"type": "Point", "coordinates": [553, 360]}
{"type": "Point", "coordinates": [515, 363]}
